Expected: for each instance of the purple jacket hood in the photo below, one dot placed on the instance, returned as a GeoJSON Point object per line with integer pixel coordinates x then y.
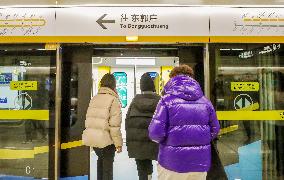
{"type": "Point", "coordinates": [184, 124]}
{"type": "Point", "coordinates": [184, 87]}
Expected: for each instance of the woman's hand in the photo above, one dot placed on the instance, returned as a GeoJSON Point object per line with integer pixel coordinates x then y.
{"type": "Point", "coordinates": [119, 149]}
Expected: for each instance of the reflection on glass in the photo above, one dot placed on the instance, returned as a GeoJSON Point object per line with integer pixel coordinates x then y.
{"type": "Point", "coordinates": [250, 78]}
{"type": "Point", "coordinates": [27, 93]}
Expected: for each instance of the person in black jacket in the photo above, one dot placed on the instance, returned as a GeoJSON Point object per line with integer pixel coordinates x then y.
{"type": "Point", "coordinates": [138, 118]}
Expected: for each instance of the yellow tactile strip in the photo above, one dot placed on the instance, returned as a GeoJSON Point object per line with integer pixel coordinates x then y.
{"type": "Point", "coordinates": [30, 153]}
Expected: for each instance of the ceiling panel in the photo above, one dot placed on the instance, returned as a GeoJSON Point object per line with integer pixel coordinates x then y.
{"type": "Point", "coordinates": [177, 2]}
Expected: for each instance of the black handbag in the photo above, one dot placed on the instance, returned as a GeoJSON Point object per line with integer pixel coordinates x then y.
{"type": "Point", "coordinates": [217, 171]}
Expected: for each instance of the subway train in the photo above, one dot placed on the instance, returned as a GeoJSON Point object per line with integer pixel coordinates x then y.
{"type": "Point", "coordinates": [53, 57]}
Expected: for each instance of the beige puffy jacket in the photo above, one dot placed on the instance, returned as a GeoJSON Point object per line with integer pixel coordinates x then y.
{"type": "Point", "coordinates": [103, 120]}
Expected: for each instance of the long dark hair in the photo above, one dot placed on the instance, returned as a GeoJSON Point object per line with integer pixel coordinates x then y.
{"type": "Point", "coordinates": [109, 81]}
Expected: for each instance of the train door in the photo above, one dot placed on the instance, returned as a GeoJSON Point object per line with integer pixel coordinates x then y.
{"type": "Point", "coordinates": [27, 111]}
{"type": "Point", "coordinates": [248, 93]}
{"type": "Point", "coordinates": [76, 93]}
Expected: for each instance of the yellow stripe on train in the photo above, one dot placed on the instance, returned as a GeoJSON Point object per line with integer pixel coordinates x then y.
{"type": "Point", "coordinates": [41, 115]}
{"type": "Point", "coordinates": [30, 153]}
{"type": "Point", "coordinates": [273, 115]}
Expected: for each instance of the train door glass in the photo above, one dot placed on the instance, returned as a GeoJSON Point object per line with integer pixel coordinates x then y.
{"type": "Point", "coordinates": [27, 106]}
{"type": "Point", "coordinates": [76, 86]}
{"type": "Point", "coordinates": [250, 78]}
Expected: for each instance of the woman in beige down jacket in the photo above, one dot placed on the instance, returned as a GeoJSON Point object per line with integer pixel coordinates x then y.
{"type": "Point", "coordinates": [103, 122]}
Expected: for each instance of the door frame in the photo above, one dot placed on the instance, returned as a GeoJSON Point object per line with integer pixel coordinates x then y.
{"type": "Point", "coordinates": [206, 64]}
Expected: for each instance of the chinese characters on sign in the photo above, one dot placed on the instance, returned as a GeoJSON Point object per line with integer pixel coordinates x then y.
{"type": "Point", "coordinates": [270, 48]}
{"type": "Point", "coordinates": [141, 21]}
{"type": "Point", "coordinates": [3, 100]}
{"type": "Point", "coordinates": [23, 85]}
{"type": "Point", "coordinates": [139, 18]}
{"type": "Point", "coordinates": [244, 86]}
{"type": "Point", "coordinates": [5, 78]}
{"type": "Point", "coordinates": [25, 63]}
{"type": "Point", "coordinates": [265, 50]}
{"type": "Point", "coordinates": [246, 54]}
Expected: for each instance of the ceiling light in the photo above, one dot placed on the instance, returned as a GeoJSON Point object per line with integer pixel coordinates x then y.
{"type": "Point", "coordinates": [150, 61]}
{"type": "Point", "coordinates": [131, 38]}
{"type": "Point", "coordinates": [237, 49]}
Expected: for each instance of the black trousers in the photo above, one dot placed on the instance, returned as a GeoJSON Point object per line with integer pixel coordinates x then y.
{"type": "Point", "coordinates": [217, 170]}
{"type": "Point", "coordinates": [105, 162]}
{"type": "Point", "coordinates": [144, 168]}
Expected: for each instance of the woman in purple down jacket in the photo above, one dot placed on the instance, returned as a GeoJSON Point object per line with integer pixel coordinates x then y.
{"type": "Point", "coordinates": [184, 124]}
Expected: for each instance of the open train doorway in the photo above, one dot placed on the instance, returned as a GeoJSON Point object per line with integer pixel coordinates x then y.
{"type": "Point", "coordinates": [128, 64]}
{"type": "Point", "coordinates": [128, 71]}
{"type": "Point", "coordinates": [82, 69]}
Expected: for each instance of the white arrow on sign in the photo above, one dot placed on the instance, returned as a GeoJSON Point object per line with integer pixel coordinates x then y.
{"type": "Point", "coordinates": [26, 104]}
{"type": "Point", "coordinates": [242, 101]}
{"type": "Point", "coordinates": [245, 104]}
{"type": "Point", "coordinates": [101, 21]}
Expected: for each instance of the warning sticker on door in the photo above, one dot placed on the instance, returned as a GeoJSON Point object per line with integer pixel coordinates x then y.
{"type": "Point", "coordinates": [23, 102]}
{"type": "Point", "coordinates": [23, 85]}
{"type": "Point", "coordinates": [244, 86]}
{"type": "Point", "coordinates": [243, 101]}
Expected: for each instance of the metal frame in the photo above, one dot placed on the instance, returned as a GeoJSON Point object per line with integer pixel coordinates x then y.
{"type": "Point", "coordinates": [206, 70]}
{"type": "Point", "coordinates": [58, 113]}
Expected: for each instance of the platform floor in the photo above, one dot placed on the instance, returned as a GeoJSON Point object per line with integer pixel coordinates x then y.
{"type": "Point", "coordinates": [124, 167]}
